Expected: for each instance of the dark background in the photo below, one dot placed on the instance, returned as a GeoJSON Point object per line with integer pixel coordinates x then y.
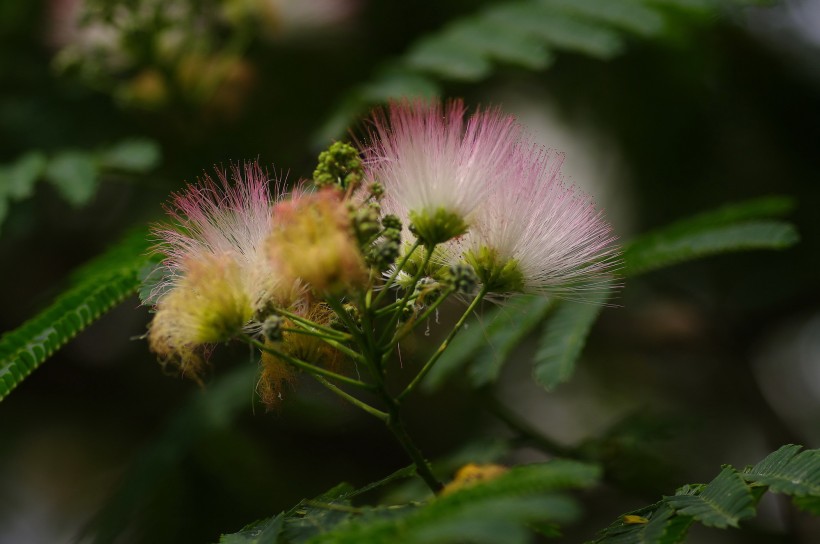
{"type": "Point", "coordinates": [721, 358]}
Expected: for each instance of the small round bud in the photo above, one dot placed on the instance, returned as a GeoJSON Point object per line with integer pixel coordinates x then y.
{"type": "Point", "coordinates": [408, 312]}
{"type": "Point", "coordinates": [391, 221]}
{"type": "Point", "coordinates": [272, 328]}
{"type": "Point", "coordinates": [339, 165]}
{"type": "Point", "coordinates": [365, 223]}
{"type": "Point", "coordinates": [376, 190]}
{"type": "Point", "coordinates": [426, 288]}
{"type": "Point", "coordinates": [394, 235]}
{"type": "Point", "coordinates": [384, 253]}
{"type": "Point", "coordinates": [462, 278]}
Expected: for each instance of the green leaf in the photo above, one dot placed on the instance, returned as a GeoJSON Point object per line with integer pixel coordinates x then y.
{"type": "Point", "coordinates": [526, 33]}
{"type": "Point", "coordinates": [494, 511]}
{"type": "Point", "coordinates": [17, 180]}
{"type": "Point", "coordinates": [520, 316]}
{"type": "Point", "coordinates": [722, 503]}
{"type": "Point", "coordinates": [564, 338]}
{"type": "Point", "coordinates": [101, 284]}
{"type": "Point", "coordinates": [665, 248]}
{"type": "Point", "coordinates": [789, 472]}
{"type": "Point", "coordinates": [261, 532]}
{"type": "Point", "coordinates": [497, 510]}
{"type": "Point", "coordinates": [630, 16]}
{"type": "Point", "coordinates": [657, 524]}
{"type": "Point", "coordinates": [809, 503]}
{"type": "Point", "coordinates": [557, 29]}
{"type": "Point", "coordinates": [75, 175]}
{"type": "Point", "coordinates": [444, 56]}
{"type": "Point", "coordinates": [138, 155]}
{"type": "Point", "coordinates": [498, 333]}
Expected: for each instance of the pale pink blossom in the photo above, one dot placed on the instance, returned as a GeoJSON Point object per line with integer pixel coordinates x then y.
{"type": "Point", "coordinates": [431, 160]}
{"type": "Point", "coordinates": [550, 236]}
{"type": "Point", "coordinates": [226, 217]}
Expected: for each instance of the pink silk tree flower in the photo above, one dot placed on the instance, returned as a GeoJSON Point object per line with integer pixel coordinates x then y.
{"type": "Point", "coordinates": [534, 234]}
{"type": "Point", "coordinates": [435, 167]}
{"type": "Point", "coordinates": [218, 274]}
{"type": "Point", "coordinates": [229, 217]}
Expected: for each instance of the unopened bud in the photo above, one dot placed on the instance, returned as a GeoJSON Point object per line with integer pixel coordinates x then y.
{"type": "Point", "coordinates": [376, 190]}
{"type": "Point", "coordinates": [394, 235]}
{"type": "Point", "coordinates": [384, 253]}
{"type": "Point", "coordinates": [462, 278]}
{"type": "Point", "coordinates": [425, 289]}
{"type": "Point", "coordinates": [339, 165]}
{"type": "Point", "coordinates": [391, 221]}
{"type": "Point", "coordinates": [272, 328]}
{"type": "Point", "coordinates": [365, 223]}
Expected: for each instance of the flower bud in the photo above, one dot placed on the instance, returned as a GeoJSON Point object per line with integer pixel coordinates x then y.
{"type": "Point", "coordinates": [339, 165]}
{"type": "Point", "coordinates": [391, 221]}
{"type": "Point", "coordinates": [272, 328]}
{"type": "Point", "coordinates": [462, 278]}
{"type": "Point", "coordinates": [312, 240]}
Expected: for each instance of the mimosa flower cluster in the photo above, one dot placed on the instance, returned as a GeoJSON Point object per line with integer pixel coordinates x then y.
{"type": "Point", "coordinates": [331, 276]}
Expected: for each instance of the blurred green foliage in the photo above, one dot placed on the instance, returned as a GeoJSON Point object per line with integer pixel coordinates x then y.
{"type": "Point", "coordinates": [700, 102]}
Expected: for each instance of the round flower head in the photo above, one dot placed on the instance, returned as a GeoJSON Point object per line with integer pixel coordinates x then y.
{"type": "Point", "coordinates": [312, 242]}
{"type": "Point", "coordinates": [534, 234]}
{"type": "Point", "coordinates": [217, 271]}
{"type": "Point", "coordinates": [435, 167]}
{"type": "Point", "coordinates": [208, 305]}
{"type": "Point", "coordinates": [230, 217]}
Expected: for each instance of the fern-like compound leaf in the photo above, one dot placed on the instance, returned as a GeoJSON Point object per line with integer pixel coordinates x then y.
{"type": "Point", "coordinates": [788, 471]}
{"type": "Point", "coordinates": [564, 338]}
{"type": "Point", "coordinates": [95, 289]}
{"type": "Point", "coordinates": [722, 503]}
{"type": "Point", "coordinates": [523, 33]}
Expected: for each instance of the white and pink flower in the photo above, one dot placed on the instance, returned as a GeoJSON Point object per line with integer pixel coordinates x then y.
{"type": "Point", "coordinates": [437, 168]}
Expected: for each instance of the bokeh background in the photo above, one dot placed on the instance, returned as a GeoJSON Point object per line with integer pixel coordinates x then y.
{"type": "Point", "coordinates": [705, 363]}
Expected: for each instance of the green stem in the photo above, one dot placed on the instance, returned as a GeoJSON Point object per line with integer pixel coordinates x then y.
{"type": "Point", "coordinates": [390, 308]}
{"type": "Point", "coordinates": [308, 324]}
{"type": "Point", "coordinates": [435, 357]}
{"type": "Point", "coordinates": [407, 329]}
{"type": "Point", "coordinates": [307, 367]}
{"type": "Point", "coordinates": [396, 426]}
{"type": "Point", "coordinates": [389, 283]}
{"type": "Point", "coordinates": [329, 341]}
{"type": "Point", "coordinates": [394, 319]}
{"type": "Point", "coordinates": [353, 400]}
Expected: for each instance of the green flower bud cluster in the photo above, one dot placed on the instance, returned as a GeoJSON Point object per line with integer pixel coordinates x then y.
{"type": "Point", "coordinates": [365, 221]}
{"type": "Point", "coordinates": [339, 165]}
{"type": "Point", "coordinates": [462, 278]}
{"type": "Point", "coordinates": [385, 252]}
{"type": "Point", "coordinates": [376, 190]}
{"type": "Point", "coordinates": [426, 289]}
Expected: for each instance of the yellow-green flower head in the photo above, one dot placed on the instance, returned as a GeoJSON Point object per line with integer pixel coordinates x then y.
{"type": "Point", "coordinates": [218, 272]}
{"type": "Point", "coordinates": [436, 167]}
{"type": "Point", "coordinates": [312, 241]}
{"type": "Point", "coordinates": [209, 304]}
{"type": "Point", "coordinates": [226, 217]}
